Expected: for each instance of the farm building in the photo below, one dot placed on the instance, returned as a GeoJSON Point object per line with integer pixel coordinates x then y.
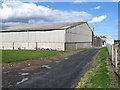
{"type": "Point", "coordinates": [102, 41]}
{"type": "Point", "coordinates": [99, 41]}
{"type": "Point", "coordinates": [59, 36]}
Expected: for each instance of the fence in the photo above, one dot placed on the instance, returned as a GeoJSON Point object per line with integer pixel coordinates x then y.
{"type": "Point", "coordinates": [114, 53]}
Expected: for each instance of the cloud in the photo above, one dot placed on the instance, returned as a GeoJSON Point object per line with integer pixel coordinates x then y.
{"type": "Point", "coordinates": [14, 13]}
{"type": "Point", "coordinates": [106, 34]}
{"type": "Point", "coordinates": [98, 7]}
{"type": "Point", "coordinates": [116, 0]}
{"type": "Point", "coordinates": [79, 1]}
{"type": "Point", "coordinates": [98, 19]}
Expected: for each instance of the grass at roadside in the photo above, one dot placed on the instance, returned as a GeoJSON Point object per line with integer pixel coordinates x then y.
{"type": "Point", "coordinates": [0, 55]}
{"type": "Point", "coordinates": [98, 76]}
{"type": "Point", "coordinates": [9, 56]}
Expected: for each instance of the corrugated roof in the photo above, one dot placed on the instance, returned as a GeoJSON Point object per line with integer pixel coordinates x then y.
{"type": "Point", "coordinates": [56, 26]}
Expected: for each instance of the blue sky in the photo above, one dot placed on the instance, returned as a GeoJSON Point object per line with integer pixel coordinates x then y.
{"type": "Point", "coordinates": [107, 27]}
{"type": "Point", "coordinates": [103, 16]}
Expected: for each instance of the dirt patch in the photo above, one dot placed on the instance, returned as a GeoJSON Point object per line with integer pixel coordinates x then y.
{"type": "Point", "coordinates": [33, 64]}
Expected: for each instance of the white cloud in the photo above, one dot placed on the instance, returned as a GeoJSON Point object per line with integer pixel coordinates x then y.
{"type": "Point", "coordinates": [13, 23]}
{"type": "Point", "coordinates": [98, 7]}
{"type": "Point", "coordinates": [28, 13]}
{"type": "Point", "coordinates": [79, 1]}
{"type": "Point", "coordinates": [98, 19]}
{"type": "Point", "coordinates": [116, 0]}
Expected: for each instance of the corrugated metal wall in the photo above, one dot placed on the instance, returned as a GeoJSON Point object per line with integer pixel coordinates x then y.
{"type": "Point", "coordinates": [81, 33]}
{"type": "Point", "coordinates": [78, 37]}
{"type": "Point", "coordinates": [39, 36]}
{"type": "Point", "coordinates": [28, 40]}
{"type": "Point", "coordinates": [73, 38]}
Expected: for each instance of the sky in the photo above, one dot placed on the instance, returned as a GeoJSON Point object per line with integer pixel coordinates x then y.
{"type": "Point", "coordinates": [101, 16]}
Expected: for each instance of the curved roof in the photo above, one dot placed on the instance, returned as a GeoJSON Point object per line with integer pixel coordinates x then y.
{"type": "Point", "coordinates": [42, 27]}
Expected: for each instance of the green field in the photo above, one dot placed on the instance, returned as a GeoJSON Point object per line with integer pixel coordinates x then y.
{"type": "Point", "coordinates": [9, 56]}
{"type": "Point", "coordinates": [21, 55]}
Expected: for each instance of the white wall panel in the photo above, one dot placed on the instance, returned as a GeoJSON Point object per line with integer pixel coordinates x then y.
{"type": "Point", "coordinates": [32, 46]}
{"type": "Point", "coordinates": [7, 46]}
{"type": "Point", "coordinates": [21, 45]}
{"type": "Point", "coordinates": [27, 40]}
{"type": "Point", "coordinates": [58, 46]}
{"type": "Point", "coordinates": [0, 41]}
{"type": "Point", "coordinates": [39, 36]}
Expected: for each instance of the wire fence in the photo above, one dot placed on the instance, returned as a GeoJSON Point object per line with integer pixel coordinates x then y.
{"type": "Point", "coordinates": [114, 53]}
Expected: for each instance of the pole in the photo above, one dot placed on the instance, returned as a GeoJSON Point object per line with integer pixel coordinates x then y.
{"type": "Point", "coordinates": [116, 60]}
{"type": "Point", "coordinates": [36, 45]}
{"type": "Point", "coordinates": [112, 54]}
{"type": "Point", "coordinates": [28, 38]}
{"type": "Point", "coordinates": [13, 46]}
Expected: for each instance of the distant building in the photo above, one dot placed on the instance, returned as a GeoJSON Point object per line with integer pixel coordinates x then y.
{"type": "Point", "coordinates": [101, 41]}
{"type": "Point", "coordinates": [97, 41]}
{"type": "Point", "coordinates": [59, 36]}
{"type": "Point", "coordinates": [109, 40]}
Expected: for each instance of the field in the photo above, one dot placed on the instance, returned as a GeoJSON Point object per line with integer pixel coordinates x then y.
{"type": "Point", "coordinates": [9, 56]}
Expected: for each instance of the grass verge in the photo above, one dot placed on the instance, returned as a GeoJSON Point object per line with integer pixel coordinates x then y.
{"type": "Point", "coordinates": [98, 76]}
{"type": "Point", "coordinates": [9, 56]}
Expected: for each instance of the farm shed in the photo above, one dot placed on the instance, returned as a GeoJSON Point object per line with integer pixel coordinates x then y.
{"type": "Point", "coordinates": [101, 41]}
{"type": "Point", "coordinates": [59, 36]}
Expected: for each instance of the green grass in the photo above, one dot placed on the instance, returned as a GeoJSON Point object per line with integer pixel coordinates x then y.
{"type": "Point", "coordinates": [98, 76]}
{"type": "Point", "coordinates": [80, 49]}
{"type": "Point", "coordinates": [9, 56]}
{"type": "Point", "coordinates": [102, 79]}
{"type": "Point", "coordinates": [0, 55]}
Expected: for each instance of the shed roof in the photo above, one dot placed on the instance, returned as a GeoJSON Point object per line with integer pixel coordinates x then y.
{"type": "Point", "coordinates": [43, 27]}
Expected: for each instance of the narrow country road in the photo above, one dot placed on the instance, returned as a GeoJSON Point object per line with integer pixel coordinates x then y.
{"type": "Point", "coordinates": [64, 74]}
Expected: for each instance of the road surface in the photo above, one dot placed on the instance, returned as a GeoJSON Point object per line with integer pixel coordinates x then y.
{"type": "Point", "coordinates": [64, 74]}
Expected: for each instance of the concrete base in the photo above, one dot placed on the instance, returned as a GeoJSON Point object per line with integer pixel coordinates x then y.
{"type": "Point", "coordinates": [49, 46]}
{"type": "Point", "coordinates": [77, 45]}
{"type": "Point", "coordinates": [32, 46]}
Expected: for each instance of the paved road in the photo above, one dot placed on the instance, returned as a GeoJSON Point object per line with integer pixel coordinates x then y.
{"type": "Point", "coordinates": [64, 74]}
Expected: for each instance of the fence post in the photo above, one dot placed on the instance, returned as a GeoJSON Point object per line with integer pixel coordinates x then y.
{"type": "Point", "coordinates": [36, 46]}
{"type": "Point", "coordinates": [13, 46]}
{"type": "Point", "coordinates": [116, 60]}
{"type": "Point", "coordinates": [112, 54]}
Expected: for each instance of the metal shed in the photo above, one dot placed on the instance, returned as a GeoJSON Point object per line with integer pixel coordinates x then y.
{"type": "Point", "coordinates": [59, 36]}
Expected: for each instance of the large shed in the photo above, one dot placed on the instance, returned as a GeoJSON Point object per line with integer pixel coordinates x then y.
{"type": "Point", "coordinates": [59, 36]}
